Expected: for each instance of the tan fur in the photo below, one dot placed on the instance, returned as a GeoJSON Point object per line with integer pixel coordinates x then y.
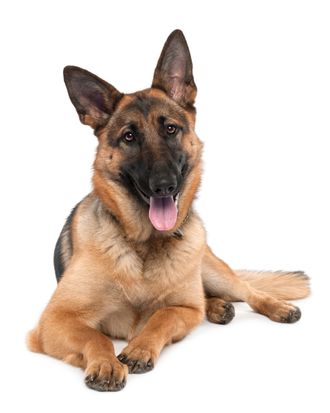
{"type": "Point", "coordinates": [221, 281]}
{"type": "Point", "coordinates": [123, 278]}
{"type": "Point", "coordinates": [122, 288]}
{"type": "Point", "coordinates": [279, 284]}
{"type": "Point", "coordinates": [33, 341]}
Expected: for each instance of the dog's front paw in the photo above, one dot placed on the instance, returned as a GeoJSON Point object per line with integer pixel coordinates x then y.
{"type": "Point", "coordinates": [138, 358]}
{"type": "Point", "coordinates": [106, 375]}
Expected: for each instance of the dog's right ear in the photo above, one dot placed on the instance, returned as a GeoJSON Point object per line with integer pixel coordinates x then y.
{"type": "Point", "coordinates": [93, 98]}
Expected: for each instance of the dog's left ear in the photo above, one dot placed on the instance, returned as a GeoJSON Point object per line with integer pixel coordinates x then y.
{"type": "Point", "coordinates": [173, 73]}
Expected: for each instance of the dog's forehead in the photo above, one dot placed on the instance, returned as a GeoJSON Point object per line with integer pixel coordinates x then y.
{"type": "Point", "coordinates": [151, 104]}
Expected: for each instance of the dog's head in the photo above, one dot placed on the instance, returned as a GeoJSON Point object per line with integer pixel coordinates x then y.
{"type": "Point", "coordinates": [148, 158]}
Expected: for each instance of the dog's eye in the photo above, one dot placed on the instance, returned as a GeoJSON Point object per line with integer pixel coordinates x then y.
{"type": "Point", "coordinates": [128, 137]}
{"type": "Point", "coordinates": [171, 129]}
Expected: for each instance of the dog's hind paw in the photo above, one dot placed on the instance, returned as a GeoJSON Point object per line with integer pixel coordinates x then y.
{"type": "Point", "coordinates": [219, 311]}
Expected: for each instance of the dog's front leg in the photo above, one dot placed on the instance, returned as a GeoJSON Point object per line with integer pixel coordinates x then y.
{"type": "Point", "coordinates": [63, 334]}
{"type": "Point", "coordinates": [165, 326]}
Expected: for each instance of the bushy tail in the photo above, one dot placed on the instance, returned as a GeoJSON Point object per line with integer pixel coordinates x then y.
{"type": "Point", "coordinates": [280, 284]}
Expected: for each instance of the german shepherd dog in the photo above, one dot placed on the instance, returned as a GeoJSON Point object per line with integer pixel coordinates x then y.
{"type": "Point", "coordinates": [132, 260]}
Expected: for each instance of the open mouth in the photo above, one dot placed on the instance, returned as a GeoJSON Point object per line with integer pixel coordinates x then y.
{"type": "Point", "coordinates": [163, 211]}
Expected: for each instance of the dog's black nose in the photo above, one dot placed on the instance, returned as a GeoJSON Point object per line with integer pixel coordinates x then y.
{"type": "Point", "coordinates": [163, 185]}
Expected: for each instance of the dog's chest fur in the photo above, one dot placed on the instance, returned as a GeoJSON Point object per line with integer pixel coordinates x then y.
{"type": "Point", "coordinates": [138, 278]}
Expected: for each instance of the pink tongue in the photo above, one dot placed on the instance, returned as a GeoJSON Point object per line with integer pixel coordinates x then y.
{"type": "Point", "coordinates": [163, 213]}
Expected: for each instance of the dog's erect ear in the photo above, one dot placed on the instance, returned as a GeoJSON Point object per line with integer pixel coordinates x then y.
{"type": "Point", "coordinates": [173, 73]}
{"type": "Point", "coordinates": [93, 98]}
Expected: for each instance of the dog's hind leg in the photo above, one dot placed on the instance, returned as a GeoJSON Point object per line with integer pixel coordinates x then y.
{"type": "Point", "coordinates": [222, 282]}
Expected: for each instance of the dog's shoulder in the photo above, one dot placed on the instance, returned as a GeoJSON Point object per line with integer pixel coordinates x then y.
{"type": "Point", "coordinates": [83, 214]}
{"type": "Point", "coordinates": [63, 247]}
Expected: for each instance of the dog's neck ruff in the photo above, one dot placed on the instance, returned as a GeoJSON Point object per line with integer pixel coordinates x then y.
{"type": "Point", "coordinates": [178, 233]}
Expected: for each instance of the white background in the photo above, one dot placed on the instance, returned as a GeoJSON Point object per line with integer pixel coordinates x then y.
{"type": "Point", "coordinates": [263, 73]}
